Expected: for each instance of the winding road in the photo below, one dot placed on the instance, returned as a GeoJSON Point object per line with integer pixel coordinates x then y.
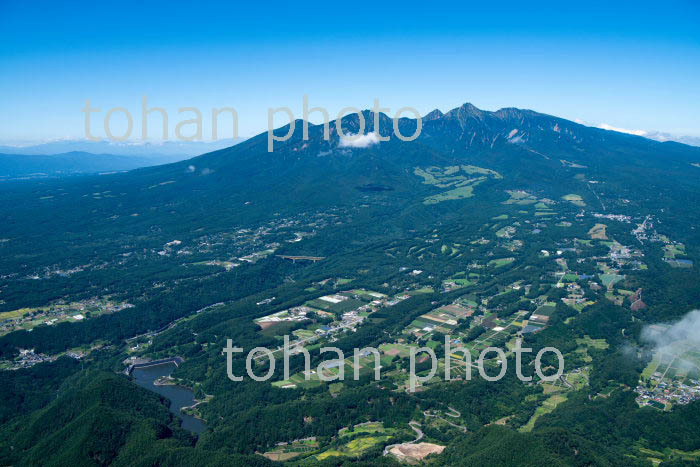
{"type": "Point", "coordinates": [415, 426]}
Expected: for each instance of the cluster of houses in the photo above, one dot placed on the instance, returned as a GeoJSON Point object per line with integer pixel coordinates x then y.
{"type": "Point", "coordinates": [667, 392]}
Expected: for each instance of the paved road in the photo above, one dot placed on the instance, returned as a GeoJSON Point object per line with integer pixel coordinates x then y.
{"type": "Point", "coordinates": [456, 414]}
{"type": "Point", "coordinates": [415, 426]}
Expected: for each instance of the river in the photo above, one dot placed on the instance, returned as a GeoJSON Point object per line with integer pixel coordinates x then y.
{"type": "Point", "coordinates": [178, 396]}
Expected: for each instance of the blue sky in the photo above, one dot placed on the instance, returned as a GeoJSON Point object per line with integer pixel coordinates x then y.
{"type": "Point", "coordinates": [633, 65]}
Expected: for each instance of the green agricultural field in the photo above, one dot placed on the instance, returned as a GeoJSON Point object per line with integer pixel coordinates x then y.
{"type": "Point", "coordinates": [500, 262]}
{"type": "Point", "coordinates": [609, 280]}
{"type": "Point", "coordinates": [458, 178]}
{"type": "Point", "coordinates": [458, 193]}
{"type": "Point", "coordinates": [337, 308]}
{"type": "Point", "coordinates": [369, 294]}
{"type": "Point", "coordinates": [303, 333]}
{"type": "Point", "coordinates": [279, 328]}
{"type": "Point", "coordinates": [463, 282]}
{"type": "Point", "coordinates": [673, 250]}
{"type": "Point", "coordinates": [587, 341]}
{"type": "Point", "coordinates": [290, 451]}
{"type": "Point", "coordinates": [354, 448]}
{"type": "Point", "coordinates": [368, 427]}
{"type": "Point", "coordinates": [392, 350]}
{"type": "Point", "coordinates": [521, 198]}
{"type": "Point", "coordinates": [574, 199]}
{"type": "Point", "coordinates": [16, 313]}
{"type": "Point", "coordinates": [472, 169]}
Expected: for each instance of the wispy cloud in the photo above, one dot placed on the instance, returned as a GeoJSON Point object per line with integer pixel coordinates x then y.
{"type": "Point", "coordinates": [605, 126]}
{"type": "Point", "coordinates": [651, 134]}
{"type": "Point", "coordinates": [359, 141]}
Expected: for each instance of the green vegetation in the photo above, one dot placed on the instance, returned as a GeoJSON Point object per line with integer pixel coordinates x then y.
{"type": "Point", "coordinates": [574, 199]}
{"type": "Point", "coordinates": [547, 406]}
{"type": "Point", "coordinates": [462, 186]}
{"type": "Point", "coordinates": [500, 262]}
{"type": "Point", "coordinates": [376, 244]}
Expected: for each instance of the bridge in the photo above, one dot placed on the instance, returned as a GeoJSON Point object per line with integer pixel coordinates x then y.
{"type": "Point", "coordinates": [176, 360]}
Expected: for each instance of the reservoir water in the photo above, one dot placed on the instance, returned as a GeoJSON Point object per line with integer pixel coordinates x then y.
{"type": "Point", "coordinates": [179, 396]}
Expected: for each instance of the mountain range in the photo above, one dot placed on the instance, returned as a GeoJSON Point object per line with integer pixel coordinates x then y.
{"type": "Point", "coordinates": [181, 149]}
{"type": "Point", "coordinates": [14, 166]}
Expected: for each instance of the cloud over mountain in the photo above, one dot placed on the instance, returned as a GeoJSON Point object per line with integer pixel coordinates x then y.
{"type": "Point", "coordinates": [359, 141]}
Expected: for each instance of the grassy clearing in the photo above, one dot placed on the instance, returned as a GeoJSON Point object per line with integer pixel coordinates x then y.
{"type": "Point", "coordinates": [520, 198]}
{"type": "Point", "coordinates": [459, 179]}
{"type": "Point", "coordinates": [500, 262]}
{"type": "Point", "coordinates": [279, 328]}
{"type": "Point", "coordinates": [329, 453]}
{"type": "Point", "coordinates": [576, 200]}
{"type": "Point", "coordinates": [651, 368]}
{"type": "Point", "coordinates": [600, 344]}
{"type": "Point", "coordinates": [598, 232]}
{"type": "Point", "coordinates": [472, 169]}
{"type": "Point", "coordinates": [463, 282]}
{"type": "Point", "coordinates": [673, 250]}
{"type": "Point", "coordinates": [458, 193]}
{"type": "Point", "coordinates": [547, 406]}
{"type": "Point", "coordinates": [369, 427]}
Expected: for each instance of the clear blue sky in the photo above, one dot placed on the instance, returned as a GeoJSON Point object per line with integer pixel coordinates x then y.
{"type": "Point", "coordinates": [632, 65]}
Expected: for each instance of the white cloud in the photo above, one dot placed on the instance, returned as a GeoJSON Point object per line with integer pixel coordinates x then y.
{"type": "Point", "coordinates": [605, 126]}
{"type": "Point", "coordinates": [675, 339]}
{"type": "Point", "coordinates": [358, 140]}
{"type": "Point", "coordinates": [651, 134]}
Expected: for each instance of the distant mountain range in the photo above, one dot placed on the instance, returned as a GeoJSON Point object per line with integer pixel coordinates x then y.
{"type": "Point", "coordinates": [180, 149]}
{"type": "Point", "coordinates": [13, 166]}
{"type": "Point", "coordinates": [77, 157]}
